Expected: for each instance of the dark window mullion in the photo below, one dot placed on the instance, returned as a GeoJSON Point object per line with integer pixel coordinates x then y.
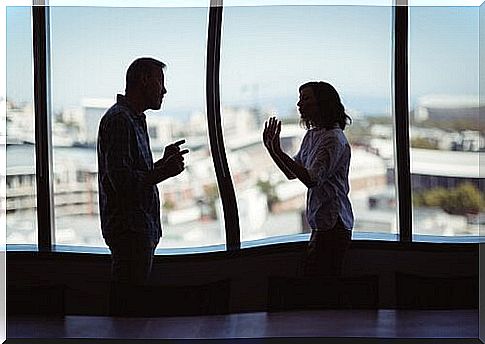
{"type": "Point", "coordinates": [224, 181]}
{"type": "Point", "coordinates": [401, 121]}
{"type": "Point", "coordinates": [42, 113]}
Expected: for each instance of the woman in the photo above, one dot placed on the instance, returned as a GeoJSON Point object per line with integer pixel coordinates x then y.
{"type": "Point", "coordinates": [322, 164]}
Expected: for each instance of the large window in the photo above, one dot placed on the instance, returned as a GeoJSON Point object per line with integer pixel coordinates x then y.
{"type": "Point", "coordinates": [91, 49]}
{"type": "Point", "coordinates": [446, 137]}
{"type": "Point", "coordinates": [266, 54]}
{"type": "Point", "coordinates": [20, 164]}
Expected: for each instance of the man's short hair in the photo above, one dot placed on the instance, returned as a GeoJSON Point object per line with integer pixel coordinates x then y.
{"type": "Point", "coordinates": [141, 67]}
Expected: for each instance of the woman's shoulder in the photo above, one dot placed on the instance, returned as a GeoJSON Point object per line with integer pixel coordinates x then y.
{"type": "Point", "coordinates": [331, 132]}
{"type": "Point", "coordinates": [335, 135]}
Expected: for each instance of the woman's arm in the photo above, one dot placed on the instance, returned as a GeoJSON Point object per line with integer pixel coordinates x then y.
{"type": "Point", "coordinates": [271, 140]}
{"type": "Point", "coordinates": [295, 168]}
{"type": "Point", "coordinates": [291, 169]}
{"type": "Point", "coordinates": [279, 162]}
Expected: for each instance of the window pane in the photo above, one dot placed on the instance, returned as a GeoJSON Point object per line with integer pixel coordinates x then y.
{"type": "Point", "coordinates": [21, 202]}
{"type": "Point", "coordinates": [447, 139]}
{"type": "Point", "coordinates": [91, 51]}
{"type": "Point", "coordinates": [267, 53]}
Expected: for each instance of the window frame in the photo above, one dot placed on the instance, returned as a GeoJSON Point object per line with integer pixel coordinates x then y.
{"type": "Point", "coordinates": [400, 98]}
{"type": "Point", "coordinates": [43, 135]}
{"type": "Point", "coordinates": [43, 128]}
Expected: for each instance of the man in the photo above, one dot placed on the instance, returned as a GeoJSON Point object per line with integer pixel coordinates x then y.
{"type": "Point", "coordinates": [128, 195]}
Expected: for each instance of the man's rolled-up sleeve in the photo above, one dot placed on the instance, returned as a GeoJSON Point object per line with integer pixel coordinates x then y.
{"type": "Point", "coordinates": [329, 152]}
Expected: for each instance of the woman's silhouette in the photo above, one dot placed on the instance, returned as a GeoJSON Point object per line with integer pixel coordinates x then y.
{"type": "Point", "coordinates": [322, 164]}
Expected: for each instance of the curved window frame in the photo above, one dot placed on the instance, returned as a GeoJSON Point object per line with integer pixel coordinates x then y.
{"type": "Point", "coordinates": [44, 167]}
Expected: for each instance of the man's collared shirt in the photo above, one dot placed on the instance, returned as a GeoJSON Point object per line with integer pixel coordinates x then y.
{"type": "Point", "coordinates": [325, 153]}
{"type": "Point", "coordinates": [126, 203]}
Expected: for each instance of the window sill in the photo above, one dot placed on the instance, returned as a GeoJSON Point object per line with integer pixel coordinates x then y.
{"type": "Point", "coordinates": [294, 238]}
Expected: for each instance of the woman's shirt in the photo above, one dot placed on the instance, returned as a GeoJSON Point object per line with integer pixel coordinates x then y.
{"type": "Point", "coordinates": [325, 153]}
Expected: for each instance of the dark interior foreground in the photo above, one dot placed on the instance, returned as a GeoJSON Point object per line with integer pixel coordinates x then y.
{"type": "Point", "coordinates": [393, 283]}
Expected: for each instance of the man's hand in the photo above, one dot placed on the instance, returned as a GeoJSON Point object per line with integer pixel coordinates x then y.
{"type": "Point", "coordinates": [170, 165]}
{"type": "Point", "coordinates": [170, 150]}
{"type": "Point", "coordinates": [173, 165]}
{"type": "Point", "coordinates": [271, 135]}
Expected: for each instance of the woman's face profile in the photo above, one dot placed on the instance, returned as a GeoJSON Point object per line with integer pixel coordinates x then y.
{"type": "Point", "coordinates": [307, 104]}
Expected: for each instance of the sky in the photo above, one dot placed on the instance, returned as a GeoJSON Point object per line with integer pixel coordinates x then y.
{"type": "Point", "coordinates": [266, 53]}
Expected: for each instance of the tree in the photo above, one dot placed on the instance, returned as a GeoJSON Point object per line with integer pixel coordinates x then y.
{"type": "Point", "coordinates": [420, 142]}
{"type": "Point", "coordinates": [269, 189]}
{"type": "Point", "coordinates": [168, 205]}
{"type": "Point", "coordinates": [431, 198]}
{"type": "Point", "coordinates": [211, 195]}
{"type": "Point", "coordinates": [462, 200]}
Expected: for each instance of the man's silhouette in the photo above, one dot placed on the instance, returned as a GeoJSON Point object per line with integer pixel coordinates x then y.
{"type": "Point", "coordinates": [128, 196]}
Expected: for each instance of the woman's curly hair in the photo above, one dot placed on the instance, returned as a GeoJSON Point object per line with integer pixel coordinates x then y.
{"type": "Point", "coordinates": [331, 109]}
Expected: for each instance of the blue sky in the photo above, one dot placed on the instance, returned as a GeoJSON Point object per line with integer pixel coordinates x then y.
{"type": "Point", "coordinates": [267, 52]}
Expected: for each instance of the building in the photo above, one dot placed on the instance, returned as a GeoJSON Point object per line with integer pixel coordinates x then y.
{"type": "Point", "coordinates": [93, 109]}
{"type": "Point", "coordinates": [448, 107]}
{"type": "Point", "coordinates": [20, 123]}
{"type": "Point", "coordinates": [437, 168]}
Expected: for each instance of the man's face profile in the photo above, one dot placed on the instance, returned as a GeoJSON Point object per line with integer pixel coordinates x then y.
{"type": "Point", "coordinates": [155, 89]}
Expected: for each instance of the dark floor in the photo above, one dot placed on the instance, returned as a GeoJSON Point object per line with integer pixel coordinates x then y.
{"type": "Point", "coordinates": [324, 323]}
